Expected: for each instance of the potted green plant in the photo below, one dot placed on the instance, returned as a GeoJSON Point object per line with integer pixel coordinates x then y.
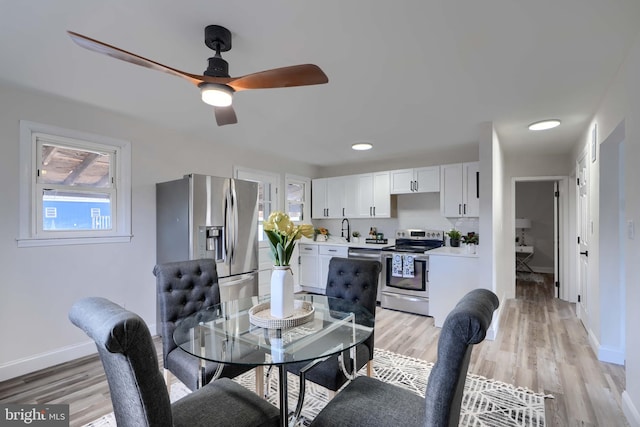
{"type": "Point", "coordinates": [470, 241]}
{"type": "Point", "coordinates": [356, 236]}
{"type": "Point", "coordinates": [454, 237]}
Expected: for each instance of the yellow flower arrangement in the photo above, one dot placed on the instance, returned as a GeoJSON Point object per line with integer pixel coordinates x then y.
{"type": "Point", "coordinates": [283, 234]}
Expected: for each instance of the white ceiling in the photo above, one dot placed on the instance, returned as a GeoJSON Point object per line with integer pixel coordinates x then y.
{"type": "Point", "coordinates": [408, 76]}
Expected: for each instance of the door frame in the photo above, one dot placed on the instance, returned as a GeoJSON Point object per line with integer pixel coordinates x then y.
{"type": "Point", "coordinates": [584, 239]}
{"type": "Point", "coordinates": [567, 286]}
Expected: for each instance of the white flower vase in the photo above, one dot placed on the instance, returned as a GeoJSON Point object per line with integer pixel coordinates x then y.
{"type": "Point", "coordinates": [281, 292]}
{"type": "Point", "coordinates": [471, 248]}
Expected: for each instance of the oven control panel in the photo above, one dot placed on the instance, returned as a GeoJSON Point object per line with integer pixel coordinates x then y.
{"type": "Point", "coordinates": [420, 234]}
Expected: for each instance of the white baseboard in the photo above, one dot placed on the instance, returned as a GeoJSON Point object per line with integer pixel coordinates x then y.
{"type": "Point", "coordinates": [492, 332]}
{"type": "Point", "coordinates": [36, 362]}
{"type": "Point", "coordinates": [538, 269]}
{"type": "Point", "coordinates": [630, 411]}
{"type": "Point", "coordinates": [29, 364]}
{"type": "Point", "coordinates": [611, 355]}
{"type": "Point", "coordinates": [605, 354]}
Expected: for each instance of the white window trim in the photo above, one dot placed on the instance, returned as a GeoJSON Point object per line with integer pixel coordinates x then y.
{"type": "Point", "coordinates": [27, 236]}
{"type": "Point", "coordinates": [307, 194]}
{"type": "Point", "coordinates": [262, 176]}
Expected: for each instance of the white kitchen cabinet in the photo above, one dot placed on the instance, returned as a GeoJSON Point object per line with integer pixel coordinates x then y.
{"type": "Point", "coordinates": [418, 180]}
{"type": "Point", "coordinates": [308, 265]}
{"type": "Point", "coordinates": [326, 252]}
{"type": "Point", "coordinates": [328, 197]}
{"type": "Point", "coordinates": [319, 191]}
{"type": "Point", "coordinates": [459, 190]}
{"type": "Point", "coordinates": [374, 198]}
{"type": "Point", "coordinates": [314, 265]}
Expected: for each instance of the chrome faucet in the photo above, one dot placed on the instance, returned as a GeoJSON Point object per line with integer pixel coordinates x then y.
{"type": "Point", "coordinates": [348, 229]}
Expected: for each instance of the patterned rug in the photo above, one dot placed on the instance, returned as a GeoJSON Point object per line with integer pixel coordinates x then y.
{"type": "Point", "coordinates": [485, 403]}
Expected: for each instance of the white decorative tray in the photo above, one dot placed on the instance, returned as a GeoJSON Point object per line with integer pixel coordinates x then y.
{"type": "Point", "coordinates": [260, 315]}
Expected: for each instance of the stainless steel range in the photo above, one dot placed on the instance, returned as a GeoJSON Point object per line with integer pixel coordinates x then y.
{"type": "Point", "coordinates": [405, 270]}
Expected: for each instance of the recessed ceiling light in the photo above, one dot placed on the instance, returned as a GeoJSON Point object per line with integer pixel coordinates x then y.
{"type": "Point", "coordinates": [361, 146]}
{"type": "Point", "coordinates": [544, 124]}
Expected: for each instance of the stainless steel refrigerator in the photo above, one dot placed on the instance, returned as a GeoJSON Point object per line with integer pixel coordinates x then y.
{"type": "Point", "coordinates": [202, 216]}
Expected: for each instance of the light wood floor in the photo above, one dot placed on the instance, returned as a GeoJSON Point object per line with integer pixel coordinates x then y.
{"type": "Point", "coordinates": [541, 345]}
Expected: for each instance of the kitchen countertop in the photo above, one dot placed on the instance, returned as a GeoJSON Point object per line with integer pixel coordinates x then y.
{"type": "Point", "coordinates": [450, 251]}
{"type": "Point", "coordinates": [339, 241]}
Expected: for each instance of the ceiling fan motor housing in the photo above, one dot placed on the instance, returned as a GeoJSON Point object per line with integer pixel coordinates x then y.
{"type": "Point", "coordinates": [218, 67]}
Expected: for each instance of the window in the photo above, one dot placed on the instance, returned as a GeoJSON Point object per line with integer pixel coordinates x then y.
{"type": "Point", "coordinates": [75, 187]}
{"type": "Point", "coordinates": [298, 206]}
{"type": "Point", "coordinates": [267, 193]}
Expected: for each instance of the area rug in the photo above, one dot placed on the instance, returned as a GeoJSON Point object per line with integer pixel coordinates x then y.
{"type": "Point", "coordinates": [486, 402]}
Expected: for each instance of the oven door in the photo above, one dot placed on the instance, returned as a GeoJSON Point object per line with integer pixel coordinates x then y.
{"type": "Point", "coordinates": [418, 285]}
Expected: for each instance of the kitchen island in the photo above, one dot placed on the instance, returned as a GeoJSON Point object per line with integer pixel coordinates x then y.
{"type": "Point", "coordinates": [452, 273]}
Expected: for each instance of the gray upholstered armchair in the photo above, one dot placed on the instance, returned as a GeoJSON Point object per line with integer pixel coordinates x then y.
{"type": "Point", "coordinates": [355, 280]}
{"type": "Point", "coordinates": [138, 391]}
{"type": "Point", "coordinates": [184, 288]}
{"type": "Point", "coordinates": [370, 402]}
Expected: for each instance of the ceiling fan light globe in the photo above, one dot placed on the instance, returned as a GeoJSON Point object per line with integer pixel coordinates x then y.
{"type": "Point", "coordinates": [216, 95]}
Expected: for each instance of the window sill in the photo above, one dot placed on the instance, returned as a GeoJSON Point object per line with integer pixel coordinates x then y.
{"type": "Point", "coordinates": [30, 243]}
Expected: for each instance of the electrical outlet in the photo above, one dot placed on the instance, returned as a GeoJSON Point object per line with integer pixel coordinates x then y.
{"type": "Point", "coordinates": [631, 230]}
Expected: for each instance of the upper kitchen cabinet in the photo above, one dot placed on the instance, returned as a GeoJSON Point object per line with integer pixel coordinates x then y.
{"type": "Point", "coordinates": [374, 197]}
{"type": "Point", "coordinates": [333, 197]}
{"type": "Point", "coordinates": [460, 189]}
{"type": "Point", "coordinates": [419, 180]}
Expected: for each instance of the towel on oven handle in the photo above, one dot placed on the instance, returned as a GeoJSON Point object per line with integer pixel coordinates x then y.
{"type": "Point", "coordinates": [408, 266]}
{"type": "Point", "coordinates": [397, 265]}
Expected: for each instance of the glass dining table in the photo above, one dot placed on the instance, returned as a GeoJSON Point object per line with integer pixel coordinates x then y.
{"type": "Point", "coordinates": [228, 333]}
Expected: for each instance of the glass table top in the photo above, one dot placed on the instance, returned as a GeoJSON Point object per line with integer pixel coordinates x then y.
{"type": "Point", "coordinates": [223, 333]}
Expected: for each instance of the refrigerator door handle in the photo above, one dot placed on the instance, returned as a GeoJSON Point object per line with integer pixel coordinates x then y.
{"type": "Point", "coordinates": [227, 231]}
{"type": "Point", "coordinates": [234, 210]}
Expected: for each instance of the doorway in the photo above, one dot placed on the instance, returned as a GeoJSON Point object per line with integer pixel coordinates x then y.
{"type": "Point", "coordinates": [540, 218]}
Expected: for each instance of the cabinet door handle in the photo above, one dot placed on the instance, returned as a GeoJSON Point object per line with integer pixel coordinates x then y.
{"type": "Point", "coordinates": [459, 209]}
{"type": "Point", "coordinates": [477, 185]}
{"type": "Point", "coordinates": [342, 211]}
{"type": "Point", "coordinates": [332, 250]}
{"type": "Point", "coordinates": [370, 211]}
{"type": "Point", "coordinates": [464, 210]}
{"type": "Point", "coordinates": [415, 187]}
{"type": "Point", "coordinates": [411, 185]}
{"type": "Point", "coordinates": [374, 211]}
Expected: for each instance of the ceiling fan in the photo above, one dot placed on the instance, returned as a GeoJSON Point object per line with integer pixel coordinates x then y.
{"type": "Point", "coordinates": [216, 86]}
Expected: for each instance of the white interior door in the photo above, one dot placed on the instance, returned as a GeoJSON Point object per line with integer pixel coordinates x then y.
{"type": "Point", "coordinates": [556, 237]}
{"type": "Point", "coordinates": [583, 240]}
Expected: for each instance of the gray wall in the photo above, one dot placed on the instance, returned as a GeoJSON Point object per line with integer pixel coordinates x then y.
{"type": "Point", "coordinates": [40, 284]}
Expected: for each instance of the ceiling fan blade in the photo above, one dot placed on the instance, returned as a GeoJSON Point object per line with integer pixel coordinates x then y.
{"type": "Point", "coordinates": [114, 52]}
{"type": "Point", "coordinates": [225, 115]}
{"type": "Point", "coordinates": [296, 75]}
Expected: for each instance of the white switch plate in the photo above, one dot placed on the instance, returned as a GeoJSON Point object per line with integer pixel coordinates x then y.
{"type": "Point", "coordinates": [631, 230]}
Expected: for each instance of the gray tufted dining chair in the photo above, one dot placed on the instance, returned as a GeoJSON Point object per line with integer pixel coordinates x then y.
{"type": "Point", "coordinates": [184, 288]}
{"type": "Point", "coordinates": [371, 402]}
{"type": "Point", "coordinates": [354, 280]}
{"type": "Point", "coordinates": [138, 392]}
